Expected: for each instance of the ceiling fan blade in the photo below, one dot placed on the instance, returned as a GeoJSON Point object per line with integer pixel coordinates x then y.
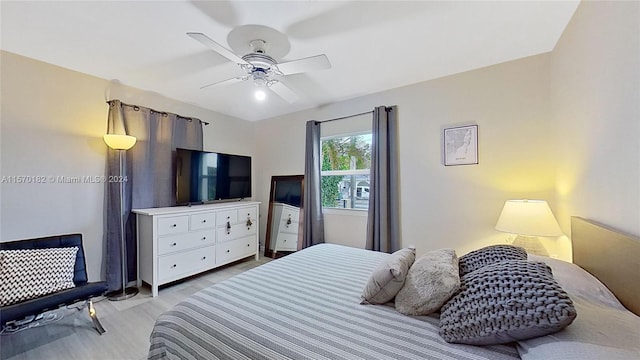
{"type": "Point", "coordinates": [317, 62]}
{"type": "Point", "coordinates": [208, 42]}
{"type": "Point", "coordinates": [284, 92]}
{"type": "Point", "coordinates": [226, 82]}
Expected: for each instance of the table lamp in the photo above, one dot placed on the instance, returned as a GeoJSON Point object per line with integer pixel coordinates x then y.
{"type": "Point", "coordinates": [528, 219]}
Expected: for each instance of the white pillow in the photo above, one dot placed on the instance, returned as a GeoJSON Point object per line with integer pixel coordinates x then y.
{"type": "Point", "coordinates": [388, 277]}
{"type": "Point", "coordinates": [603, 329]}
{"type": "Point", "coordinates": [431, 281]}
{"type": "Point", "coordinates": [598, 332]}
{"type": "Point", "coordinates": [578, 282]}
{"type": "Point", "coordinates": [30, 273]}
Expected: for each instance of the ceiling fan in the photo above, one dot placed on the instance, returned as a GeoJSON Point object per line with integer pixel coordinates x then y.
{"type": "Point", "coordinates": [262, 69]}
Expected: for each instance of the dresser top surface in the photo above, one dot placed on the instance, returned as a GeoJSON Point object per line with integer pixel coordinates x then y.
{"type": "Point", "coordinates": [194, 208]}
{"type": "Point", "coordinates": [285, 206]}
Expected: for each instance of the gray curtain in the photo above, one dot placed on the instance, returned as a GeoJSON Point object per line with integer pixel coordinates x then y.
{"type": "Point", "coordinates": [383, 223]}
{"type": "Point", "coordinates": [312, 205]}
{"type": "Point", "coordinates": [149, 175]}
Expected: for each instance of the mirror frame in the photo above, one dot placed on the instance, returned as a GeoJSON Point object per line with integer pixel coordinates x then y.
{"type": "Point", "coordinates": [267, 242]}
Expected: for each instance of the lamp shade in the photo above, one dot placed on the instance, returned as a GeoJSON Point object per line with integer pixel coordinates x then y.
{"type": "Point", "coordinates": [119, 142]}
{"type": "Point", "coordinates": [528, 217]}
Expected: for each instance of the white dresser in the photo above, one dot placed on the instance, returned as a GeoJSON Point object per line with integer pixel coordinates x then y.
{"type": "Point", "coordinates": [176, 242]}
{"type": "Point", "coordinates": [284, 230]}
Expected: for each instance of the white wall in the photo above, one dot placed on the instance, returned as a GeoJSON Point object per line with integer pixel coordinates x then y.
{"type": "Point", "coordinates": [561, 126]}
{"type": "Point", "coordinates": [443, 206]}
{"type": "Point", "coordinates": [52, 122]}
{"type": "Point", "coordinates": [595, 97]}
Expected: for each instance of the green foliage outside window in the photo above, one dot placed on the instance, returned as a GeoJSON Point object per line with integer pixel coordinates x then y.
{"type": "Point", "coordinates": [337, 154]}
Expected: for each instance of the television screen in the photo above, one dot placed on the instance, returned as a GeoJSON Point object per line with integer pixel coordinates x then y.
{"type": "Point", "coordinates": [203, 176]}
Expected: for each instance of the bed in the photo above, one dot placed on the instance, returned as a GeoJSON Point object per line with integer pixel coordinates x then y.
{"type": "Point", "coordinates": [307, 306]}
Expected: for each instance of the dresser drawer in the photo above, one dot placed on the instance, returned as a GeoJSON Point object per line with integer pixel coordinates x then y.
{"type": "Point", "coordinates": [173, 225]}
{"type": "Point", "coordinates": [288, 227]}
{"type": "Point", "coordinates": [247, 213]}
{"type": "Point", "coordinates": [236, 249]}
{"type": "Point", "coordinates": [192, 261]}
{"type": "Point", "coordinates": [287, 242]}
{"type": "Point", "coordinates": [291, 212]}
{"type": "Point", "coordinates": [203, 221]}
{"type": "Point", "coordinates": [224, 216]}
{"type": "Point", "coordinates": [169, 244]}
{"type": "Point", "coordinates": [235, 232]}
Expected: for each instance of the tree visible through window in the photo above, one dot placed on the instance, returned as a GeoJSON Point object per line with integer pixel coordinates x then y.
{"type": "Point", "coordinates": [346, 161]}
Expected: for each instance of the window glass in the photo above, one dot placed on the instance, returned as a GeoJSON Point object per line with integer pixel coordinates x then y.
{"type": "Point", "coordinates": [346, 161]}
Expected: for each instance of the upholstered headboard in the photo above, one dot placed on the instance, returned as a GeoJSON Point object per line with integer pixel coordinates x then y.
{"type": "Point", "coordinates": [611, 256]}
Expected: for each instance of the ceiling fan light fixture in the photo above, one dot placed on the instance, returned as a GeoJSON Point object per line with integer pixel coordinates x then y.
{"type": "Point", "coordinates": [260, 80]}
{"type": "Point", "coordinates": [262, 68]}
{"type": "Point", "coordinates": [260, 94]}
{"type": "Point", "coordinates": [258, 46]}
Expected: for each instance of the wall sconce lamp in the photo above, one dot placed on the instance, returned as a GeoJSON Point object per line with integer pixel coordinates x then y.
{"type": "Point", "coordinates": [122, 143]}
{"type": "Point", "coordinates": [528, 219]}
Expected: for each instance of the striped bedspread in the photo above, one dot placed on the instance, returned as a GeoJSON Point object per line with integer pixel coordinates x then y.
{"type": "Point", "coordinates": [303, 306]}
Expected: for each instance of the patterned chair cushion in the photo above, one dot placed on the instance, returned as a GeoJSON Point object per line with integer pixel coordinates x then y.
{"type": "Point", "coordinates": [431, 281]}
{"type": "Point", "coordinates": [489, 255]}
{"type": "Point", "coordinates": [388, 277]}
{"type": "Point", "coordinates": [27, 274]}
{"type": "Point", "coordinates": [504, 302]}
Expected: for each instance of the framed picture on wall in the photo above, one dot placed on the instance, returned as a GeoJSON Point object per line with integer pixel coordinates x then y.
{"type": "Point", "coordinates": [461, 145]}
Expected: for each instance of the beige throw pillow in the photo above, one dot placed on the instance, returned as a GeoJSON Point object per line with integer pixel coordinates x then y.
{"type": "Point", "coordinates": [388, 277]}
{"type": "Point", "coordinates": [431, 281]}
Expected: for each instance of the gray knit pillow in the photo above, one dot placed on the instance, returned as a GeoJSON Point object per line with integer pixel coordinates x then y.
{"type": "Point", "coordinates": [508, 301]}
{"type": "Point", "coordinates": [489, 255]}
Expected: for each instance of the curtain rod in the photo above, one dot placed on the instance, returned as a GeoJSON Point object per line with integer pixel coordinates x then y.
{"type": "Point", "coordinates": [136, 107]}
{"type": "Point", "coordinates": [346, 117]}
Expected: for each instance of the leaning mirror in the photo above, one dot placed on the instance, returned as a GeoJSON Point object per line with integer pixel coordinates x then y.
{"type": "Point", "coordinates": [284, 223]}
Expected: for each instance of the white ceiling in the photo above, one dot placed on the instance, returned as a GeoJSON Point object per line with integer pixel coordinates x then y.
{"type": "Point", "coordinates": [372, 45]}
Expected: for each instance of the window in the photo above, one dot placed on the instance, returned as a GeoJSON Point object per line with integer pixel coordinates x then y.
{"type": "Point", "coordinates": [346, 161]}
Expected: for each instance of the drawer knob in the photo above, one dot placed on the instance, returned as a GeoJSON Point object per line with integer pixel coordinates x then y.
{"type": "Point", "coordinates": [174, 244]}
{"type": "Point", "coordinates": [174, 225]}
{"type": "Point", "coordinates": [204, 238]}
{"type": "Point", "coordinates": [204, 258]}
{"type": "Point", "coordinates": [284, 240]}
{"type": "Point", "coordinates": [249, 244]}
{"type": "Point", "coordinates": [228, 250]}
{"type": "Point", "coordinates": [173, 266]}
{"type": "Point", "coordinates": [204, 221]}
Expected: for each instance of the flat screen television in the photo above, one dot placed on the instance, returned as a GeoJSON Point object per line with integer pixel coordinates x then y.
{"type": "Point", "coordinates": [203, 177]}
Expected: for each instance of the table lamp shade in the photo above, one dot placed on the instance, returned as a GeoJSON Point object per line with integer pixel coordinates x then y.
{"type": "Point", "coordinates": [529, 218]}
{"type": "Point", "coordinates": [119, 142]}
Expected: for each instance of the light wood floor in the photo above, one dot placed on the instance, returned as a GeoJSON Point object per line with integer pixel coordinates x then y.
{"type": "Point", "coordinates": [128, 323]}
